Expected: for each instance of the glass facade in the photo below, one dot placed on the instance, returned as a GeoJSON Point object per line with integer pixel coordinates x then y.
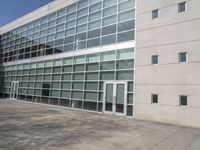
{"type": "Point", "coordinates": [72, 81]}
{"type": "Point", "coordinates": [76, 81]}
{"type": "Point", "coordinates": [84, 24]}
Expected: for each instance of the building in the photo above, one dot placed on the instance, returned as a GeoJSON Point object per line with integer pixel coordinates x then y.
{"type": "Point", "coordinates": [86, 55]}
{"type": "Point", "coordinates": [167, 77]}
{"type": "Point", "coordinates": [76, 54]}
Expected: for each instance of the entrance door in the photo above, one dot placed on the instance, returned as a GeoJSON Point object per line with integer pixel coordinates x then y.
{"type": "Point", "coordinates": [115, 98]}
{"type": "Point", "coordinates": [14, 89]}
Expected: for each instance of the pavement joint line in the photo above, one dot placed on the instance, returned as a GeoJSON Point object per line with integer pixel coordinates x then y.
{"type": "Point", "coordinates": [194, 139]}
{"type": "Point", "coordinates": [148, 132]}
{"type": "Point", "coordinates": [178, 130]}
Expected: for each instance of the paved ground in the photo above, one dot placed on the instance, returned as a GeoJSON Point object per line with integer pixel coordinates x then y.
{"type": "Point", "coordinates": [25, 126]}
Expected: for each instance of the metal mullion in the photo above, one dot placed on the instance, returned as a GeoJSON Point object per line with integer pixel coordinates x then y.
{"type": "Point", "coordinates": [85, 65]}
{"type": "Point", "coordinates": [72, 74]}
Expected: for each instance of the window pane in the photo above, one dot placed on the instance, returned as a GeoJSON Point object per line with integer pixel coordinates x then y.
{"type": "Point", "coordinates": [181, 7]}
{"type": "Point", "coordinates": [56, 85]}
{"type": "Point", "coordinates": [109, 20]}
{"type": "Point", "coordinates": [77, 95]}
{"type": "Point", "coordinates": [92, 76]}
{"type": "Point", "coordinates": [108, 65]}
{"type": "Point", "coordinates": [94, 24]}
{"type": "Point", "coordinates": [79, 76]}
{"type": "Point", "coordinates": [65, 94]}
{"type": "Point", "coordinates": [80, 59]}
{"type": "Point", "coordinates": [154, 59]}
{"type": "Point", "coordinates": [125, 64]}
{"type": "Point", "coordinates": [61, 12]}
{"type": "Point", "coordinates": [125, 53]}
{"type": "Point", "coordinates": [79, 68]}
{"type": "Point", "coordinates": [91, 96]}
{"type": "Point", "coordinates": [125, 36]}
{"type": "Point", "coordinates": [94, 33]}
{"type": "Point", "coordinates": [107, 76]}
{"type": "Point", "coordinates": [109, 30]}
{"type": "Point", "coordinates": [68, 61]}
{"type": "Point", "coordinates": [125, 75]}
{"type": "Point", "coordinates": [81, 28]}
{"type": "Point", "coordinates": [93, 42]}
{"type": "Point", "coordinates": [183, 57]}
{"type": "Point", "coordinates": [126, 15]}
{"type": "Point", "coordinates": [70, 31]}
{"type": "Point", "coordinates": [110, 11]}
{"type": "Point", "coordinates": [82, 3]}
{"type": "Point", "coordinates": [91, 67]}
{"type": "Point", "coordinates": [55, 93]}
{"type": "Point", "coordinates": [56, 77]}
{"type": "Point", "coordinates": [66, 85]}
{"type": "Point", "coordinates": [67, 69]}
{"type": "Point", "coordinates": [66, 77]}
{"type": "Point", "coordinates": [95, 7]}
{"type": "Point", "coordinates": [71, 23]}
{"type": "Point", "coordinates": [109, 2]}
{"type": "Point", "coordinates": [91, 85]}
{"type": "Point", "coordinates": [82, 12]}
{"type": "Point", "coordinates": [126, 26]}
{"type": "Point", "coordinates": [77, 85]}
{"type": "Point", "coordinates": [126, 5]}
{"type": "Point", "coordinates": [82, 20]}
{"type": "Point", "coordinates": [71, 16]}
{"type": "Point", "coordinates": [71, 8]}
{"type": "Point", "coordinates": [130, 98]}
{"type": "Point", "coordinates": [81, 36]}
{"type": "Point", "coordinates": [108, 39]}
{"type": "Point", "coordinates": [93, 58]}
{"type": "Point", "coordinates": [108, 56]}
{"type": "Point", "coordinates": [95, 16]}
{"type": "Point", "coordinates": [90, 106]}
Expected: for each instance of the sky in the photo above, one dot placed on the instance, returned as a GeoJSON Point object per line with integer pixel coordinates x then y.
{"type": "Point", "coordinates": [13, 9]}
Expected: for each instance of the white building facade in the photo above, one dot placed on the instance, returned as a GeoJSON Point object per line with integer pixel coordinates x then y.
{"type": "Point", "coordinates": [132, 58]}
{"type": "Point", "coordinates": [167, 74]}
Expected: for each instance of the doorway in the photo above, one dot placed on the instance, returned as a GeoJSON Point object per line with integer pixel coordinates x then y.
{"type": "Point", "coordinates": [14, 90]}
{"type": "Point", "coordinates": [115, 97]}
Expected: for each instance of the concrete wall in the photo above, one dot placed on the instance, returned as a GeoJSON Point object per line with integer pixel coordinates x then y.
{"type": "Point", "coordinates": [166, 36]}
{"type": "Point", "coordinates": [40, 12]}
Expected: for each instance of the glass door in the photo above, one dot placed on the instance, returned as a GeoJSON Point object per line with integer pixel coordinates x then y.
{"type": "Point", "coordinates": [14, 89]}
{"type": "Point", "coordinates": [115, 98]}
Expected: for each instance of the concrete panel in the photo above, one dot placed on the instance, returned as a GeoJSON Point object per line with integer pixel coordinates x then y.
{"type": "Point", "coordinates": [166, 37]}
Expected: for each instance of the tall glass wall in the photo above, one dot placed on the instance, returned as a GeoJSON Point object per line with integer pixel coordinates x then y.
{"type": "Point", "coordinates": [85, 24]}
{"type": "Point", "coordinates": [75, 82]}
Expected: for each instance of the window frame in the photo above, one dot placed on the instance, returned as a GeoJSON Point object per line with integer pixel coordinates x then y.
{"type": "Point", "coordinates": [155, 14]}
{"type": "Point", "coordinates": [186, 57]}
{"type": "Point", "coordinates": [182, 4]}
{"type": "Point", "coordinates": [152, 62]}
{"type": "Point", "coordinates": [183, 103]}
{"type": "Point", "coordinates": [152, 98]}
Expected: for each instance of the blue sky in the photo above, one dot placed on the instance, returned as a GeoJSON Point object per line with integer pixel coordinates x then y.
{"type": "Point", "coordinates": [13, 9]}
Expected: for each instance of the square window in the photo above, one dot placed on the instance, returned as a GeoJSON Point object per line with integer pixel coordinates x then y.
{"type": "Point", "coordinates": [154, 59]}
{"type": "Point", "coordinates": [154, 13]}
{"type": "Point", "coordinates": [183, 100]}
{"type": "Point", "coordinates": [154, 98]}
{"type": "Point", "coordinates": [182, 57]}
{"type": "Point", "coordinates": [181, 7]}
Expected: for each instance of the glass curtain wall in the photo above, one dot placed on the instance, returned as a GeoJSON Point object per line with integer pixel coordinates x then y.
{"type": "Point", "coordinates": [85, 24]}
{"type": "Point", "coordinates": [75, 82]}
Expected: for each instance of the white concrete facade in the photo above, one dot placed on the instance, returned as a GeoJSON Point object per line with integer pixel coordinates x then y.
{"type": "Point", "coordinates": [167, 36]}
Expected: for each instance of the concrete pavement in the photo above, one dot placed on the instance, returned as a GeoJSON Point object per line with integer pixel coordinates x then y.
{"type": "Point", "coordinates": [26, 126]}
